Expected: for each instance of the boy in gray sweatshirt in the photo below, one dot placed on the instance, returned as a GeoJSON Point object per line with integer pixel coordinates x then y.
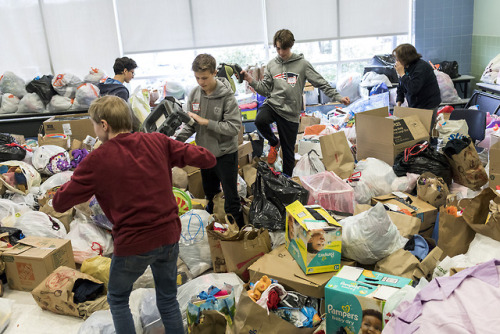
{"type": "Point", "coordinates": [283, 85]}
{"type": "Point", "coordinates": [218, 120]}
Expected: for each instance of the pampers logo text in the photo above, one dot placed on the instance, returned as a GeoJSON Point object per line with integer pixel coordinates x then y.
{"type": "Point", "coordinates": [344, 312]}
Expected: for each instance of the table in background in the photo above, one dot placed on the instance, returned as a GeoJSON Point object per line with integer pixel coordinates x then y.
{"type": "Point", "coordinates": [463, 83]}
{"type": "Point", "coordinates": [495, 89]}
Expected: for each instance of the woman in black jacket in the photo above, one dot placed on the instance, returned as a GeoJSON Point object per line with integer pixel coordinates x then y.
{"type": "Point", "coordinates": [417, 81]}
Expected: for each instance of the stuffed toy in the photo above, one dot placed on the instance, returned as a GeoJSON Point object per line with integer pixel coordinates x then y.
{"type": "Point", "coordinates": [259, 287]}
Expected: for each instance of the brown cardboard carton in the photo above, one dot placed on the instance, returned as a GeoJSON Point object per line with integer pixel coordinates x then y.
{"type": "Point", "coordinates": [61, 142]}
{"type": "Point", "coordinates": [306, 121]}
{"type": "Point", "coordinates": [425, 212]}
{"type": "Point", "coordinates": [33, 259]}
{"type": "Point", "coordinates": [195, 184]}
{"type": "Point", "coordinates": [240, 135]}
{"type": "Point", "coordinates": [245, 149]}
{"type": "Point", "coordinates": [381, 137]}
{"type": "Point", "coordinates": [77, 126]}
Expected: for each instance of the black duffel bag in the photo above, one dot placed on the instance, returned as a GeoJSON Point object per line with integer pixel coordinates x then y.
{"type": "Point", "coordinates": [272, 193]}
{"type": "Point", "coordinates": [450, 68]}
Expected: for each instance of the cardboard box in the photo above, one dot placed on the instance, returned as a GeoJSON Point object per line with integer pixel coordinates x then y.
{"type": "Point", "coordinates": [306, 145]}
{"type": "Point", "coordinates": [29, 262]}
{"type": "Point", "coordinates": [61, 142]}
{"type": "Point", "coordinates": [306, 121]}
{"type": "Point", "coordinates": [245, 149]}
{"type": "Point", "coordinates": [494, 171]}
{"type": "Point", "coordinates": [379, 136]}
{"type": "Point", "coordinates": [280, 265]}
{"type": "Point", "coordinates": [315, 244]}
{"type": "Point", "coordinates": [418, 208]}
{"type": "Point", "coordinates": [353, 290]}
{"type": "Point", "coordinates": [77, 126]}
{"type": "Point", "coordinates": [195, 184]}
{"type": "Point", "coordinates": [240, 135]}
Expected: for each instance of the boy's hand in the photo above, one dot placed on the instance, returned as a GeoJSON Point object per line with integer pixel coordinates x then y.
{"type": "Point", "coordinates": [345, 100]}
{"type": "Point", "coordinates": [244, 74]}
{"type": "Point", "coordinates": [200, 120]}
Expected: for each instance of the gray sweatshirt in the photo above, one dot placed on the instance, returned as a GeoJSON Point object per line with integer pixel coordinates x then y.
{"type": "Point", "coordinates": [224, 119]}
{"type": "Point", "coordinates": [283, 85]}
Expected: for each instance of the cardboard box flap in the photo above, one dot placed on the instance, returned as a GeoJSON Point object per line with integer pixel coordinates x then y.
{"type": "Point", "coordinates": [425, 115]}
{"type": "Point", "coordinates": [363, 276]}
{"type": "Point", "coordinates": [17, 249]}
{"type": "Point", "coordinates": [379, 112]}
{"type": "Point", "coordinates": [43, 243]}
{"type": "Point", "coordinates": [408, 129]}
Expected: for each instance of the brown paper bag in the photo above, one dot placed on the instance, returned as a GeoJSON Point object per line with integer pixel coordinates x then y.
{"type": "Point", "coordinates": [432, 189]}
{"type": "Point", "coordinates": [214, 239]}
{"type": "Point", "coordinates": [55, 293]}
{"type": "Point", "coordinates": [337, 156]}
{"type": "Point", "coordinates": [248, 247]}
{"type": "Point", "coordinates": [253, 318]}
{"type": "Point", "coordinates": [219, 205]}
{"type": "Point", "coordinates": [212, 322]}
{"type": "Point", "coordinates": [467, 168]}
{"type": "Point", "coordinates": [306, 121]}
{"type": "Point", "coordinates": [477, 215]}
{"type": "Point", "coordinates": [455, 235]}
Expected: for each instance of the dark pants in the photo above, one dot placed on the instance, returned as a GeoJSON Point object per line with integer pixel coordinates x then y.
{"type": "Point", "coordinates": [225, 172]}
{"type": "Point", "coordinates": [287, 132]}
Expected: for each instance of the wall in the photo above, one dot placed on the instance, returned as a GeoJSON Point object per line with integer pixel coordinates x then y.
{"type": "Point", "coordinates": [443, 30]}
{"type": "Point", "coordinates": [486, 35]}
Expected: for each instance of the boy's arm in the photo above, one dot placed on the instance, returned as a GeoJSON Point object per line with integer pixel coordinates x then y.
{"type": "Point", "coordinates": [265, 86]}
{"type": "Point", "coordinates": [231, 121]}
{"type": "Point", "coordinates": [78, 190]}
{"type": "Point", "coordinates": [319, 82]}
{"type": "Point", "coordinates": [182, 154]}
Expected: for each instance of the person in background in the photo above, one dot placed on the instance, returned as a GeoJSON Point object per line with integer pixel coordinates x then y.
{"type": "Point", "coordinates": [130, 175]}
{"type": "Point", "coordinates": [218, 120]}
{"type": "Point", "coordinates": [124, 69]}
{"type": "Point", "coordinates": [283, 85]}
{"type": "Point", "coordinates": [417, 81]}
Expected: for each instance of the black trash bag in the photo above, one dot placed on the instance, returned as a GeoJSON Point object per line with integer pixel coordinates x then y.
{"type": "Point", "coordinates": [42, 87]}
{"type": "Point", "coordinates": [10, 149]}
{"type": "Point", "coordinates": [422, 158]}
{"type": "Point", "coordinates": [272, 193]}
{"type": "Point", "coordinates": [15, 234]}
{"type": "Point", "coordinates": [450, 68]}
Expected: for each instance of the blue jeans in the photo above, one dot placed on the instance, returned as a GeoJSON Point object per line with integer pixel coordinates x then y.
{"type": "Point", "coordinates": [124, 272]}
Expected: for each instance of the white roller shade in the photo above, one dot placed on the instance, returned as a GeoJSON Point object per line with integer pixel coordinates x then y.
{"type": "Point", "coordinates": [22, 41]}
{"type": "Point", "coordinates": [371, 18]}
{"type": "Point", "coordinates": [152, 25]}
{"type": "Point", "coordinates": [81, 34]}
{"type": "Point", "coordinates": [307, 20]}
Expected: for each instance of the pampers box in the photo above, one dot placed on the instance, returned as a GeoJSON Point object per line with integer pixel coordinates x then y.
{"type": "Point", "coordinates": [313, 238]}
{"type": "Point", "coordinates": [354, 292]}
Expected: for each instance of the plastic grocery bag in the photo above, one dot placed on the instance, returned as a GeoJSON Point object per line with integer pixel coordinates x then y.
{"type": "Point", "coordinates": [371, 79]}
{"type": "Point", "coordinates": [59, 103]}
{"type": "Point", "coordinates": [66, 84]}
{"type": "Point", "coordinates": [194, 249]}
{"type": "Point", "coordinates": [447, 88]}
{"type": "Point", "coordinates": [97, 215]}
{"type": "Point", "coordinates": [12, 84]}
{"type": "Point", "coordinates": [101, 322]}
{"type": "Point", "coordinates": [10, 104]}
{"type": "Point", "coordinates": [9, 208]}
{"type": "Point", "coordinates": [51, 159]}
{"type": "Point", "coordinates": [242, 187]}
{"type": "Point", "coordinates": [31, 103]}
{"type": "Point", "coordinates": [370, 236]}
{"type": "Point", "coordinates": [36, 223]}
{"type": "Point", "coordinates": [97, 267]}
{"type": "Point", "coordinates": [95, 76]}
{"type": "Point", "coordinates": [308, 164]}
{"type": "Point", "coordinates": [139, 101]}
{"type": "Point", "coordinates": [88, 240]}
{"type": "Point", "coordinates": [376, 178]}
{"type": "Point", "coordinates": [85, 94]}
{"type": "Point", "coordinates": [348, 85]}
{"type": "Point", "coordinates": [31, 176]}
{"type": "Point", "coordinates": [55, 180]}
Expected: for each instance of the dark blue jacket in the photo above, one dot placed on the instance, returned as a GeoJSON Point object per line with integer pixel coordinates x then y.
{"type": "Point", "coordinates": [110, 87]}
{"type": "Point", "coordinates": [420, 86]}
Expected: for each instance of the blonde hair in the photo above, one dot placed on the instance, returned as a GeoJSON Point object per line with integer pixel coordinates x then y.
{"type": "Point", "coordinates": [204, 62]}
{"type": "Point", "coordinates": [113, 110]}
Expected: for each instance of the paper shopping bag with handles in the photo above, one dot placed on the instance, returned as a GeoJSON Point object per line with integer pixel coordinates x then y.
{"type": "Point", "coordinates": [214, 239]}
{"type": "Point", "coordinates": [455, 235]}
{"type": "Point", "coordinates": [253, 318]}
{"type": "Point", "coordinates": [337, 156]}
{"type": "Point", "coordinates": [249, 246]}
{"type": "Point", "coordinates": [482, 214]}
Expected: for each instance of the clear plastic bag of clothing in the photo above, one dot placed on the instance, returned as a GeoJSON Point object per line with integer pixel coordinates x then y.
{"type": "Point", "coordinates": [10, 103]}
{"type": "Point", "coordinates": [12, 84]}
{"type": "Point", "coordinates": [31, 103]}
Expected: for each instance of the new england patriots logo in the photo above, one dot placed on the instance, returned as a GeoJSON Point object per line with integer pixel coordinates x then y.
{"type": "Point", "coordinates": [290, 77]}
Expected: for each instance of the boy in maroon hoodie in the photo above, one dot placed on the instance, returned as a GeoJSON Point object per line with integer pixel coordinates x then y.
{"type": "Point", "coordinates": [131, 176]}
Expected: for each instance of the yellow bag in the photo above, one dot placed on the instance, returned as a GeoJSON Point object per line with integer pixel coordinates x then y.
{"type": "Point", "coordinates": [97, 267]}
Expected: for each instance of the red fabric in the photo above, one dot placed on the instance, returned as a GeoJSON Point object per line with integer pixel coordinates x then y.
{"type": "Point", "coordinates": [445, 110]}
{"type": "Point", "coordinates": [251, 105]}
{"type": "Point", "coordinates": [131, 177]}
{"type": "Point", "coordinates": [273, 299]}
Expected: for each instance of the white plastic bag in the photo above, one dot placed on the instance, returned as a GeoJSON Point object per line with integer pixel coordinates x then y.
{"type": "Point", "coordinates": [39, 224]}
{"type": "Point", "coordinates": [348, 85]}
{"type": "Point", "coordinates": [51, 159]}
{"type": "Point", "coordinates": [451, 129]}
{"type": "Point", "coordinates": [88, 240]}
{"type": "Point", "coordinates": [447, 88]}
{"type": "Point", "coordinates": [405, 293]}
{"type": "Point", "coordinates": [376, 180]}
{"type": "Point", "coordinates": [33, 178]}
{"type": "Point", "coordinates": [193, 246]}
{"type": "Point", "coordinates": [12, 84]}
{"type": "Point", "coordinates": [371, 79]}
{"type": "Point", "coordinates": [85, 94]}
{"type": "Point", "coordinates": [370, 236]}
{"type": "Point", "coordinates": [95, 76]}
{"type": "Point", "coordinates": [150, 315]}
{"type": "Point", "coordinates": [59, 103]}
{"type": "Point", "coordinates": [101, 322]}
{"type": "Point", "coordinates": [66, 84]}
{"type": "Point", "coordinates": [9, 208]}
{"type": "Point", "coordinates": [482, 249]}
{"type": "Point", "coordinates": [55, 180]}
{"type": "Point", "coordinates": [31, 103]}
{"type": "Point", "coordinates": [10, 104]}
{"type": "Point", "coordinates": [139, 101]}
{"type": "Point", "coordinates": [242, 187]}
{"type": "Point", "coordinates": [308, 164]}
{"type": "Point", "coordinates": [492, 71]}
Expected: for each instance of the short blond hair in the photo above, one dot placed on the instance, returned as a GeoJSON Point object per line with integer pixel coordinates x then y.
{"type": "Point", "coordinates": [204, 62]}
{"type": "Point", "coordinates": [113, 110]}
